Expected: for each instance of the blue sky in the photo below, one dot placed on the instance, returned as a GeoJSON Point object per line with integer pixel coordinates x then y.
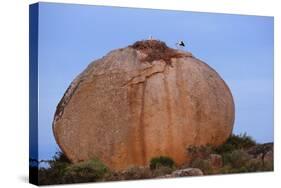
{"type": "Point", "coordinates": [239, 48]}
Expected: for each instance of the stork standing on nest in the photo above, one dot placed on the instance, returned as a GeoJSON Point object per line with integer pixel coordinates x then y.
{"type": "Point", "coordinates": [180, 44]}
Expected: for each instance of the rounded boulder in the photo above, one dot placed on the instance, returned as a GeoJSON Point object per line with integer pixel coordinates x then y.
{"type": "Point", "coordinates": [140, 102]}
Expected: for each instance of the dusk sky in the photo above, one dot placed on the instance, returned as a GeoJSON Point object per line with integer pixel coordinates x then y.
{"type": "Point", "coordinates": [239, 48]}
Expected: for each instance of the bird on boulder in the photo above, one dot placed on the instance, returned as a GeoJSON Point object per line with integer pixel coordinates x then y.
{"type": "Point", "coordinates": [180, 44]}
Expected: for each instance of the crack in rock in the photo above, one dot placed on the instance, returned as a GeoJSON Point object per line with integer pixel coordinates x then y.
{"type": "Point", "coordinates": [146, 74]}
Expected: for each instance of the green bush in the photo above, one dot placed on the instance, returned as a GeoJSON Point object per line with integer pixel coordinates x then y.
{"type": "Point", "coordinates": [236, 142]}
{"type": "Point", "coordinates": [88, 171]}
{"type": "Point", "coordinates": [254, 165]}
{"type": "Point", "coordinates": [61, 171]}
{"type": "Point", "coordinates": [240, 153]}
{"type": "Point", "coordinates": [56, 170]}
{"type": "Point", "coordinates": [161, 161]}
{"type": "Point", "coordinates": [251, 165]}
{"type": "Point", "coordinates": [236, 158]}
{"type": "Point", "coordinates": [235, 154]}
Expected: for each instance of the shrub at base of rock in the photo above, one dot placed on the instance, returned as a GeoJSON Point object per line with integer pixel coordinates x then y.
{"type": "Point", "coordinates": [203, 164]}
{"type": "Point", "coordinates": [202, 157]}
{"type": "Point", "coordinates": [236, 142]}
{"type": "Point", "coordinates": [216, 161]}
{"type": "Point", "coordinates": [161, 161]}
{"type": "Point", "coordinates": [88, 171]}
{"type": "Point", "coordinates": [237, 158]}
{"type": "Point", "coordinates": [258, 158]}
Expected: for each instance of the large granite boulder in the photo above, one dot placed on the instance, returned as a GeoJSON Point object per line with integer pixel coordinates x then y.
{"type": "Point", "coordinates": [143, 101]}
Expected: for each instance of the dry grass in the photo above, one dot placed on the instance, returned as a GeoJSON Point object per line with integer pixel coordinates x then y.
{"type": "Point", "coordinates": [156, 50]}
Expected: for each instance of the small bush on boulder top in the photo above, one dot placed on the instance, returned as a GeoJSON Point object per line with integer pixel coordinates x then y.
{"type": "Point", "coordinates": [157, 162]}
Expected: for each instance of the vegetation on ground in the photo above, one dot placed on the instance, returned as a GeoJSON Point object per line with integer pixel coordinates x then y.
{"type": "Point", "coordinates": [237, 156]}
{"type": "Point", "coordinates": [236, 142]}
{"type": "Point", "coordinates": [240, 153]}
{"type": "Point", "coordinates": [158, 162]}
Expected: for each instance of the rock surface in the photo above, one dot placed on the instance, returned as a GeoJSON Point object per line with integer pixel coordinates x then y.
{"type": "Point", "coordinates": [187, 172]}
{"type": "Point", "coordinates": [184, 173]}
{"type": "Point", "coordinates": [143, 101]}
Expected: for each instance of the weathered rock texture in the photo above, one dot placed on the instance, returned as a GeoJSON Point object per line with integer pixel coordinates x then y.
{"type": "Point", "coordinates": [184, 172]}
{"type": "Point", "coordinates": [187, 172]}
{"type": "Point", "coordinates": [140, 102]}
